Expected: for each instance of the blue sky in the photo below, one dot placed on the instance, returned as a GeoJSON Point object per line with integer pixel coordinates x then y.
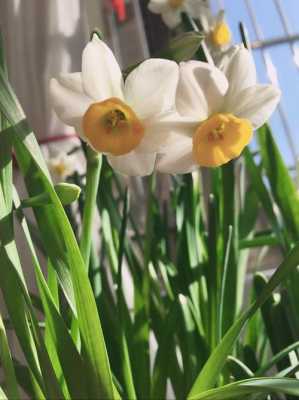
{"type": "Point", "coordinates": [282, 57]}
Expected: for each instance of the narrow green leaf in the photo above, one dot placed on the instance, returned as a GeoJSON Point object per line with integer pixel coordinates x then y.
{"type": "Point", "coordinates": [238, 369]}
{"type": "Point", "coordinates": [141, 355]}
{"type": "Point", "coordinates": [260, 241]}
{"type": "Point", "coordinates": [60, 241]}
{"type": "Point", "coordinates": [6, 360]}
{"type": "Point", "coordinates": [162, 365]}
{"type": "Point", "coordinates": [264, 196]}
{"type": "Point", "coordinates": [216, 361]}
{"type": "Point", "coordinates": [125, 357]}
{"type": "Point", "coordinates": [94, 163]}
{"type": "Point", "coordinates": [2, 394]}
{"type": "Point", "coordinates": [276, 358]}
{"type": "Point", "coordinates": [273, 316]}
{"type": "Point", "coordinates": [69, 358]}
{"type": "Point", "coordinates": [240, 389]}
{"type": "Point", "coordinates": [223, 283]}
{"type": "Point", "coordinates": [282, 185]}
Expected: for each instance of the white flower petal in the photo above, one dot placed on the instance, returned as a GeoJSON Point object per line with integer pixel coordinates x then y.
{"type": "Point", "coordinates": [158, 6]}
{"type": "Point", "coordinates": [101, 74]}
{"type": "Point", "coordinates": [72, 81]}
{"type": "Point", "coordinates": [159, 135]}
{"type": "Point", "coordinates": [239, 68]}
{"type": "Point", "coordinates": [57, 153]}
{"type": "Point", "coordinates": [172, 18]}
{"type": "Point", "coordinates": [201, 89]}
{"type": "Point", "coordinates": [178, 159]}
{"type": "Point", "coordinates": [256, 104]}
{"type": "Point", "coordinates": [150, 88]}
{"type": "Point", "coordinates": [133, 163]}
{"type": "Point", "coordinates": [69, 103]}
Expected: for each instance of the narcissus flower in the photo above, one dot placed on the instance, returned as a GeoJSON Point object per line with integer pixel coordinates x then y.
{"type": "Point", "coordinates": [125, 121]}
{"type": "Point", "coordinates": [171, 10]}
{"type": "Point", "coordinates": [217, 31]}
{"type": "Point", "coordinates": [220, 109]}
{"type": "Point", "coordinates": [64, 157]}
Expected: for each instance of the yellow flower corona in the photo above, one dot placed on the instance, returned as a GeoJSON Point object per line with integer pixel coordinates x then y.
{"type": "Point", "coordinates": [175, 3]}
{"type": "Point", "coordinates": [220, 138]}
{"type": "Point", "coordinates": [221, 34]}
{"type": "Point", "coordinates": [59, 169]}
{"type": "Point", "coordinates": [111, 126]}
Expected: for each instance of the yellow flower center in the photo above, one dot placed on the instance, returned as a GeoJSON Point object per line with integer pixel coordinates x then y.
{"type": "Point", "coordinates": [221, 34]}
{"type": "Point", "coordinates": [220, 138]}
{"type": "Point", "coordinates": [175, 3]}
{"type": "Point", "coordinates": [59, 169]}
{"type": "Point", "coordinates": [111, 126]}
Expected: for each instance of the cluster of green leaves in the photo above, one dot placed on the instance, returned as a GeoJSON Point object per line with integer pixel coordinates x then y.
{"type": "Point", "coordinates": [159, 305]}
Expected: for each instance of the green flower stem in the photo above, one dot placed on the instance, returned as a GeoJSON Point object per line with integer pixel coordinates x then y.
{"type": "Point", "coordinates": [142, 306]}
{"type": "Point", "coordinates": [94, 163]}
{"type": "Point", "coordinates": [148, 239]}
{"type": "Point", "coordinates": [124, 351]}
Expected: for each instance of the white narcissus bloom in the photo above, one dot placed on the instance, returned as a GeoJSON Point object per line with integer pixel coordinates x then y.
{"type": "Point", "coordinates": [126, 121]}
{"type": "Point", "coordinates": [218, 34]}
{"type": "Point", "coordinates": [219, 109]}
{"type": "Point", "coordinates": [171, 10]}
{"type": "Point", "coordinates": [64, 157]}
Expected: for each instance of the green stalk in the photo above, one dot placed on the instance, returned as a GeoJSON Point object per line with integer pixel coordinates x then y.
{"type": "Point", "coordinates": [142, 305]}
{"type": "Point", "coordinates": [146, 279]}
{"type": "Point", "coordinates": [223, 285]}
{"type": "Point", "coordinates": [277, 357]}
{"type": "Point", "coordinates": [211, 271]}
{"type": "Point", "coordinates": [125, 357]}
{"type": "Point", "coordinates": [94, 163]}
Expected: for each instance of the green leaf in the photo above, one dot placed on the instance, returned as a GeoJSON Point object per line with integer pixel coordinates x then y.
{"type": "Point", "coordinates": [276, 358]}
{"type": "Point", "coordinates": [274, 315]}
{"type": "Point", "coordinates": [69, 358]}
{"type": "Point", "coordinates": [259, 241]}
{"type": "Point", "coordinates": [182, 47]}
{"type": "Point", "coordinates": [12, 280]}
{"type": "Point", "coordinates": [216, 361]}
{"type": "Point", "coordinates": [262, 191]}
{"type": "Point", "coordinates": [251, 386]}
{"type": "Point", "coordinates": [94, 164]}
{"type": "Point", "coordinates": [125, 357]}
{"type": "Point", "coordinates": [67, 193]}
{"type": "Point", "coordinates": [282, 186]}
{"type": "Point", "coordinates": [238, 369]}
{"type": "Point", "coordinates": [141, 355]}
{"type": "Point", "coordinates": [6, 361]}
{"type": "Point", "coordinates": [60, 242]}
{"type": "Point", "coordinates": [166, 348]}
{"type": "Point", "coordinates": [27, 382]}
{"type": "Point", "coordinates": [2, 394]}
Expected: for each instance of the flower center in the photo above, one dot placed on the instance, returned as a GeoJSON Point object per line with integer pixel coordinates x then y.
{"type": "Point", "coordinates": [111, 126]}
{"type": "Point", "coordinates": [220, 138]}
{"type": "Point", "coordinates": [59, 168]}
{"type": "Point", "coordinates": [221, 34]}
{"type": "Point", "coordinates": [175, 3]}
